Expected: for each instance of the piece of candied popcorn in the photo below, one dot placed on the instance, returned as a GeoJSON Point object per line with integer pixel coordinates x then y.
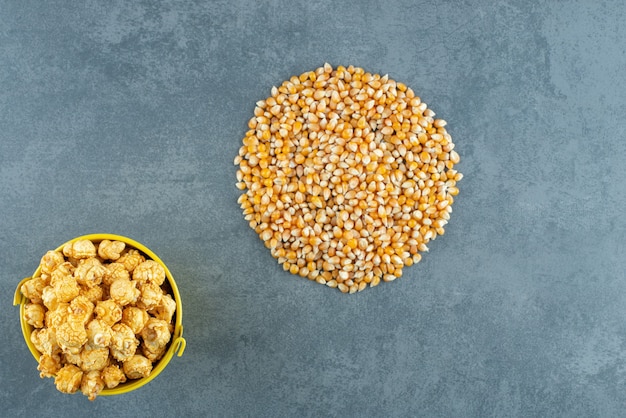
{"type": "Point", "coordinates": [123, 342]}
{"type": "Point", "coordinates": [71, 358]}
{"type": "Point", "coordinates": [137, 366]}
{"type": "Point", "coordinates": [44, 340]}
{"type": "Point", "coordinates": [79, 249]}
{"type": "Point", "coordinates": [62, 271]}
{"type": "Point", "coordinates": [155, 355]}
{"type": "Point", "coordinates": [149, 271]}
{"type": "Point", "coordinates": [57, 316]}
{"type": "Point", "coordinates": [115, 271]}
{"type": "Point", "coordinates": [68, 379]}
{"type": "Point", "coordinates": [91, 384]}
{"type": "Point", "coordinates": [112, 376]}
{"type": "Point", "coordinates": [124, 292]}
{"type": "Point", "coordinates": [150, 295]}
{"type": "Point", "coordinates": [90, 272]}
{"type": "Point", "coordinates": [80, 310]}
{"type": "Point", "coordinates": [108, 311]}
{"type": "Point", "coordinates": [50, 261]}
{"type": "Point", "coordinates": [98, 334]}
{"type": "Point", "coordinates": [92, 359]}
{"type": "Point", "coordinates": [49, 297]}
{"type": "Point", "coordinates": [110, 250]}
{"type": "Point", "coordinates": [46, 278]}
{"type": "Point", "coordinates": [32, 289]}
{"type": "Point", "coordinates": [49, 365]}
{"type": "Point", "coordinates": [131, 258]}
{"type": "Point", "coordinates": [156, 334]}
{"type": "Point", "coordinates": [165, 309]}
{"type": "Point", "coordinates": [93, 294]}
{"type": "Point", "coordinates": [71, 337]}
{"type": "Point", "coordinates": [66, 289]}
{"type": "Point", "coordinates": [35, 314]}
{"type": "Point", "coordinates": [73, 261]}
{"type": "Point", "coordinates": [135, 318]}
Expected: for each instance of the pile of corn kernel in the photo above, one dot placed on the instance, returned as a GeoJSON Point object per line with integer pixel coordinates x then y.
{"type": "Point", "coordinates": [100, 315]}
{"type": "Point", "coordinates": [347, 176]}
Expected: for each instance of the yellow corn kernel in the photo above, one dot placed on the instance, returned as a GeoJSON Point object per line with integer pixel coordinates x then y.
{"type": "Point", "coordinates": [317, 201]}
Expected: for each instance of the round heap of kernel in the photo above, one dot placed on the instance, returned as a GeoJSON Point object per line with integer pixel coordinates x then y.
{"type": "Point", "coordinates": [347, 176]}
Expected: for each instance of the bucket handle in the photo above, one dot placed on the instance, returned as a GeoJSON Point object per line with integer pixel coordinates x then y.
{"type": "Point", "coordinates": [179, 343]}
{"type": "Point", "coordinates": [18, 298]}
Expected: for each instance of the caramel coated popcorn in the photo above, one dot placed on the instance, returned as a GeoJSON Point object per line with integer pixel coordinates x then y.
{"type": "Point", "coordinates": [110, 250]}
{"type": "Point", "coordinates": [100, 313]}
{"type": "Point", "coordinates": [137, 367]}
{"type": "Point", "coordinates": [113, 376]}
{"type": "Point", "coordinates": [35, 313]}
{"type": "Point", "coordinates": [92, 384]}
{"type": "Point", "coordinates": [68, 379]}
{"type": "Point", "coordinates": [80, 249]}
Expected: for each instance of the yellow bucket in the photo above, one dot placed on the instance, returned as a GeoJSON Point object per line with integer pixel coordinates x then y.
{"type": "Point", "coordinates": [177, 343]}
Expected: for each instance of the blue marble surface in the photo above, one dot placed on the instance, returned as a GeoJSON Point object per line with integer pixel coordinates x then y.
{"type": "Point", "coordinates": [125, 117]}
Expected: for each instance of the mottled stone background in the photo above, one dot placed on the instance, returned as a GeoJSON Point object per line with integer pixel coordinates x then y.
{"type": "Point", "coordinates": [125, 117]}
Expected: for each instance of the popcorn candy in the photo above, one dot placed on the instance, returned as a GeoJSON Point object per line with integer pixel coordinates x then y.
{"type": "Point", "coordinates": [92, 384]}
{"type": "Point", "coordinates": [71, 336]}
{"type": "Point", "coordinates": [50, 261]}
{"type": "Point", "coordinates": [57, 316]}
{"type": "Point", "coordinates": [90, 272]}
{"type": "Point", "coordinates": [44, 341]}
{"type": "Point", "coordinates": [80, 310]}
{"type": "Point", "coordinates": [135, 318]}
{"type": "Point", "coordinates": [66, 288]}
{"type": "Point", "coordinates": [62, 270]}
{"type": "Point", "coordinates": [123, 342]}
{"type": "Point", "coordinates": [153, 354]}
{"type": "Point", "coordinates": [94, 359]}
{"type": "Point", "coordinates": [124, 292]}
{"type": "Point", "coordinates": [149, 271]}
{"type": "Point", "coordinates": [93, 294]}
{"type": "Point", "coordinates": [79, 249]}
{"type": "Point", "coordinates": [35, 313]}
{"type": "Point", "coordinates": [137, 367]}
{"type": "Point", "coordinates": [100, 315]}
{"type": "Point", "coordinates": [165, 309]}
{"type": "Point", "coordinates": [108, 311]}
{"type": "Point", "coordinates": [151, 295]}
{"type": "Point", "coordinates": [156, 334]}
{"type": "Point", "coordinates": [113, 376]}
{"type": "Point", "coordinates": [115, 271]}
{"type": "Point", "coordinates": [68, 379]}
{"type": "Point", "coordinates": [49, 365]}
{"type": "Point", "coordinates": [33, 289]}
{"type": "Point", "coordinates": [131, 259]}
{"type": "Point", "coordinates": [71, 358]}
{"type": "Point", "coordinates": [49, 297]}
{"type": "Point", "coordinates": [110, 250]}
{"type": "Point", "coordinates": [99, 334]}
